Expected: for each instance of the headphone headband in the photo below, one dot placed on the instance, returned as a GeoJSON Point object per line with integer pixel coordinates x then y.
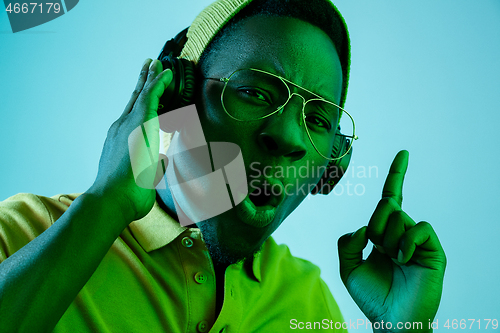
{"type": "Point", "coordinates": [174, 46]}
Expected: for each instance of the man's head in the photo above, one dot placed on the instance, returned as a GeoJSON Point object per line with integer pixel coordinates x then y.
{"type": "Point", "coordinates": [276, 37]}
{"type": "Point", "coordinates": [222, 16]}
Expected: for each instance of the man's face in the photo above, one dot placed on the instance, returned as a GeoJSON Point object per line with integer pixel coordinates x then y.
{"type": "Point", "coordinates": [303, 54]}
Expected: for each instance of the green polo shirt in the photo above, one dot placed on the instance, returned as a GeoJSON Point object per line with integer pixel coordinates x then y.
{"type": "Point", "coordinates": [158, 277]}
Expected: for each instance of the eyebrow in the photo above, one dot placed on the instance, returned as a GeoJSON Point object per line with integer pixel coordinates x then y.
{"type": "Point", "coordinates": [275, 67]}
{"type": "Point", "coordinates": [278, 69]}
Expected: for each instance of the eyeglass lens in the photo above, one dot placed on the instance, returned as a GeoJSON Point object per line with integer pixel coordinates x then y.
{"type": "Point", "coordinates": [251, 95]}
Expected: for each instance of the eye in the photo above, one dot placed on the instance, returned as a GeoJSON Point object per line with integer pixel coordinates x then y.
{"type": "Point", "coordinates": [318, 122]}
{"type": "Point", "coordinates": [254, 94]}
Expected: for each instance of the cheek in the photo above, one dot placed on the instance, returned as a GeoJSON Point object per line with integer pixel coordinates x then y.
{"type": "Point", "coordinates": [216, 124]}
{"type": "Point", "coordinates": [297, 188]}
{"type": "Point", "coordinates": [210, 110]}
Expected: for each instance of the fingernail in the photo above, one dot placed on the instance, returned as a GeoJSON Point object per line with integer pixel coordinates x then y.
{"type": "Point", "coordinates": [400, 256]}
{"type": "Point", "coordinates": [145, 62]}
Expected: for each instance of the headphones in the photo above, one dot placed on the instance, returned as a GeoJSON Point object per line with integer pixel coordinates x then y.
{"type": "Point", "coordinates": [180, 93]}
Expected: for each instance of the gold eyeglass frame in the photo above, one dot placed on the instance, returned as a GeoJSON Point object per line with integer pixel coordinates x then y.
{"type": "Point", "coordinates": [281, 108]}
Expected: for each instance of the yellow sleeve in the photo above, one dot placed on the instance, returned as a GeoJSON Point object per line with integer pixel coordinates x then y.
{"type": "Point", "coordinates": [24, 216]}
{"type": "Point", "coordinates": [333, 307]}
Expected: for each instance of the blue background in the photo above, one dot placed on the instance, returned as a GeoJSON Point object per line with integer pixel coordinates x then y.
{"type": "Point", "coordinates": [425, 77]}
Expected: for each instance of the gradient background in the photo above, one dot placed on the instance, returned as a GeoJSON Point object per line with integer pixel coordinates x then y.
{"type": "Point", "coordinates": [425, 77]}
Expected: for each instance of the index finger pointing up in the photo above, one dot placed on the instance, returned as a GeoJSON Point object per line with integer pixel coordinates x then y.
{"type": "Point", "coordinates": [393, 186]}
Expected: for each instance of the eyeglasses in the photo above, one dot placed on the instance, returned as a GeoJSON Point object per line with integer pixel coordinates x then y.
{"type": "Point", "coordinates": [253, 94]}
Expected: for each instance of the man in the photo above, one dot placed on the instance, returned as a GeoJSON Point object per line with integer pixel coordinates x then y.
{"type": "Point", "coordinates": [119, 249]}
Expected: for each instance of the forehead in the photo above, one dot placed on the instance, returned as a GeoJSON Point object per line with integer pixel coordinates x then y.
{"type": "Point", "coordinates": [294, 49]}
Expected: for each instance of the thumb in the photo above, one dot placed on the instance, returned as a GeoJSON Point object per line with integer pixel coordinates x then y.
{"type": "Point", "coordinates": [351, 252]}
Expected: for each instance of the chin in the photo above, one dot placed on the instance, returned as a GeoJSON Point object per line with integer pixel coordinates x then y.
{"type": "Point", "coordinates": [229, 240]}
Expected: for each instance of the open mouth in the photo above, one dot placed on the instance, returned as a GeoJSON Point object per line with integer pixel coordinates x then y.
{"type": "Point", "coordinates": [260, 206]}
{"type": "Point", "coordinates": [259, 197]}
{"type": "Point", "coordinates": [268, 193]}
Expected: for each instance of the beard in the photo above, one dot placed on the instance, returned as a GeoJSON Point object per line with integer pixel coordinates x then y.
{"type": "Point", "coordinates": [221, 251]}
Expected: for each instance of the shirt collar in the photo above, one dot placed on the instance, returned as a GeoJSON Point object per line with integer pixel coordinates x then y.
{"type": "Point", "coordinates": [158, 229]}
{"type": "Point", "coordinates": [256, 266]}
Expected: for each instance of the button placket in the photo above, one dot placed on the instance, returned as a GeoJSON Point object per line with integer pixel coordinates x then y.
{"type": "Point", "coordinates": [196, 262]}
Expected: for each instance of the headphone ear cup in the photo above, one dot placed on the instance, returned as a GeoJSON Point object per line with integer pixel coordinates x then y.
{"type": "Point", "coordinates": [188, 86]}
{"type": "Point", "coordinates": [180, 92]}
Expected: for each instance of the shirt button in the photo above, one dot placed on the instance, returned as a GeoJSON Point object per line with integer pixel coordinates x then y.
{"type": "Point", "coordinates": [200, 278]}
{"type": "Point", "coordinates": [187, 242]}
{"type": "Point", "coordinates": [202, 326]}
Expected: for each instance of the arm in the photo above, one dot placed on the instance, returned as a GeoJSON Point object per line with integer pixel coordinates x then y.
{"type": "Point", "coordinates": [39, 282]}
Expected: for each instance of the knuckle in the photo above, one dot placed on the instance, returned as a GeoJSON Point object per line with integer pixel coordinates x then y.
{"type": "Point", "coordinates": [146, 90]}
{"type": "Point", "coordinates": [145, 99]}
{"type": "Point", "coordinates": [392, 203]}
{"type": "Point", "coordinates": [389, 192]}
{"type": "Point", "coordinates": [388, 202]}
{"type": "Point", "coordinates": [140, 100]}
{"type": "Point", "coordinates": [374, 235]}
{"type": "Point", "coordinates": [392, 193]}
{"type": "Point", "coordinates": [385, 201]}
{"type": "Point", "coordinates": [398, 216]}
{"type": "Point", "coordinates": [404, 243]}
{"type": "Point", "coordinates": [343, 240]}
{"type": "Point", "coordinates": [114, 127]}
{"type": "Point", "coordinates": [425, 224]}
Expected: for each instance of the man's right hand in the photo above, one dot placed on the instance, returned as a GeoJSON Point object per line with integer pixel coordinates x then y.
{"type": "Point", "coordinates": [50, 270]}
{"type": "Point", "coordinates": [115, 182]}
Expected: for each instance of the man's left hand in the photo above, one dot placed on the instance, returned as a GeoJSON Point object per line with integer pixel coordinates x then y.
{"type": "Point", "coordinates": [401, 281]}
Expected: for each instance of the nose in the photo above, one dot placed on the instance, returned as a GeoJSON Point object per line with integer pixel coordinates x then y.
{"type": "Point", "coordinates": [283, 133]}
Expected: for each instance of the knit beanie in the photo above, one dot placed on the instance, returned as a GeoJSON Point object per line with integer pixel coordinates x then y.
{"type": "Point", "coordinates": [214, 17]}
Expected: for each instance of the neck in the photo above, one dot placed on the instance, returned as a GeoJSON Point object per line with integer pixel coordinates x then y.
{"type": "Point", "coordinates": [166, 201]}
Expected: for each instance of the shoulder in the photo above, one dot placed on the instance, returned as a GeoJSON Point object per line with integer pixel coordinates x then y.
{"type": "Point", "coordinates": [277, 259]}
{"type": "Point", "coordinates": [24, 216]}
